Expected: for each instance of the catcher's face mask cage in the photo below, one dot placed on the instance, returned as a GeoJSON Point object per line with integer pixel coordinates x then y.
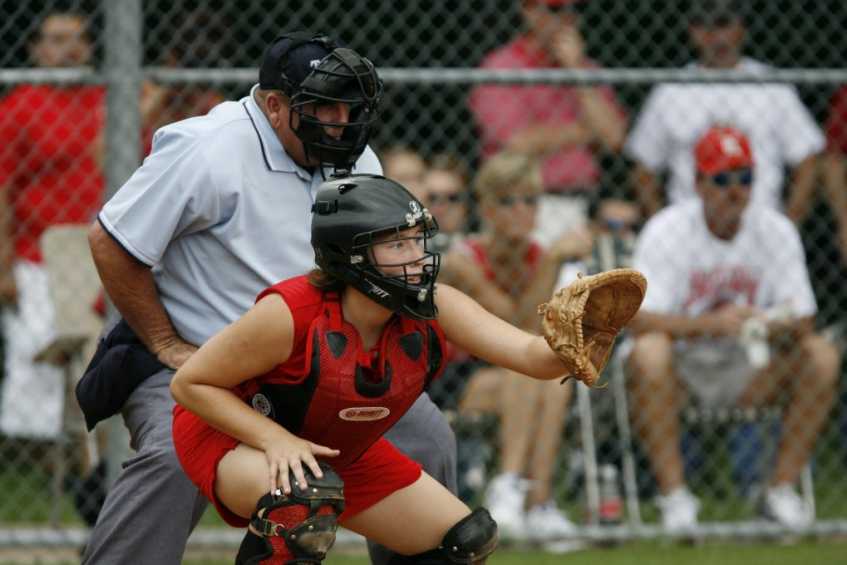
{"type": "Point", "coordinates": [348, 224]}
{"type": "Point", "coordinates": [344, 77]}
{"type": "Point", "coordinates": [410, 284]}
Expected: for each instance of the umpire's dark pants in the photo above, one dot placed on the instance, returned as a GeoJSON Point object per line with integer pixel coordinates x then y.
{"type": "Point", "coordinates": [424, 435]}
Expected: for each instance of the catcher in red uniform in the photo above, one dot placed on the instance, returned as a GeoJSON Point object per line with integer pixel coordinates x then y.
{"type": "Point", "coordinates": [280, 416]}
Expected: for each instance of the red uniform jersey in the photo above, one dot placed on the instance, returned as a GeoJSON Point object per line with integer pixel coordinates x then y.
{"type": "Point", "coordinates": [330, 391]}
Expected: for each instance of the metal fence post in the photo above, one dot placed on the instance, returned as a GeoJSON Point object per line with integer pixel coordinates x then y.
{"type": "Point", "coordinates": [122, 68]}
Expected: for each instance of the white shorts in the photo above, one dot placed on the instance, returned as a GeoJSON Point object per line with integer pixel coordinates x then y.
{"type": "Point", "coordinates": [33, 394]}
{"type": "Point", "coordinates": [716, 375]}
{"type": "Point", "coordinates": [557, 214]}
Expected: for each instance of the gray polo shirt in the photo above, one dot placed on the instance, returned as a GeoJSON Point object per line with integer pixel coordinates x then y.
{"type": "Point", "coordinates": [219, 211]}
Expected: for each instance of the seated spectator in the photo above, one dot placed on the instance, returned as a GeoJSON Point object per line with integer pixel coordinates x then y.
{"type": "Point", "coordinates": [531, 420]}
{"type": "Point", "coordinates": [835, 164]}
{"type": "Point", "coordinates": [196, 43]}
{"type": "Point", "coordinates": [564, 126]}
{"type": "Point", "coordinates": [49, 174]}
{"type": "Point", "coordinates": [609, 240]}
{"type": "Point", "coordinates": [728, 318]}
{"type": "Point", "coordinates": [404, 165]}
{"type": "Point", "coordinates": [445, 193]}
{"type": "Point", "coordinates": [783, 134]}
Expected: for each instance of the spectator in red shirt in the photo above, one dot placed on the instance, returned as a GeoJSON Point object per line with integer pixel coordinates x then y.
{"type": "Point", "coordinates": [49, 175]}
{"type": "Point", "coordinates": [196, 43]}
{"type": "Point", "coordinates": [563, 125]}
{"type": "Point", "coordinates": [515, 273]}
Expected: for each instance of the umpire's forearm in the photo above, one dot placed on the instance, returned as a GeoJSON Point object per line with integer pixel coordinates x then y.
{"type": "Point", "coordinates": [132, 289]}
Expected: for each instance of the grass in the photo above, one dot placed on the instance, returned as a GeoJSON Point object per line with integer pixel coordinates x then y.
{"type": "Point", "coordinates": [806, 553]}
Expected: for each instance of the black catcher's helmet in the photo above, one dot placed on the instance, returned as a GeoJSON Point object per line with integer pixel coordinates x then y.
{"type": "Point", "coordinates": [313, 69]}
{"type": "Point", "coordinates": [348, 215]}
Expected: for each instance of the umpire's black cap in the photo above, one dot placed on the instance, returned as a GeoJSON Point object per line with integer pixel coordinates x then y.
{"type": "Point", "coordinates": [291, 57]}
{"type": "Point", "coordinates": [714, 13]}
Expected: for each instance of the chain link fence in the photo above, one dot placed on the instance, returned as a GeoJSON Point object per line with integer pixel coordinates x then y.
{"type": "Point", "coordinates": [85, 84]}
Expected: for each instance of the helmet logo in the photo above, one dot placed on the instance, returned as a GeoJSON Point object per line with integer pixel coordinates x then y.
{"type": "Point", "coordinates": [381, 292]}
{"type": "Point", "coordinates": [415, 215]}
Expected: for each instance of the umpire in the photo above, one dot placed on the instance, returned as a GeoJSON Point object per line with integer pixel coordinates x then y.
{"type": "Point", "coordinates": [218, 211]}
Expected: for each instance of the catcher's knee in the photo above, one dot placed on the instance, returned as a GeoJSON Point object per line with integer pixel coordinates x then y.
{"type": "Point", "coordinates": [469, 542]}
{"type": "Point", "coordinates": [295, 528]}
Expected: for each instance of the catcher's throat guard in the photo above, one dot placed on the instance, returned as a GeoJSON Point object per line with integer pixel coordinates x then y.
{"type": "Point", "coordinates": [582, 320]}
{"type": "Point", "coordinates": [298, 527]}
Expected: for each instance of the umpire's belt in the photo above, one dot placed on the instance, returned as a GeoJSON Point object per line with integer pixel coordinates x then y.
{"type": "Point", "coordinates": [119, 365]}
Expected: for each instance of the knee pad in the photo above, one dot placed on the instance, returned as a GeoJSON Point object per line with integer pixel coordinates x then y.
{"type": "Point", "coordinates": [468, 542]}
{"type": "Point", "coordinates": [295, 528]}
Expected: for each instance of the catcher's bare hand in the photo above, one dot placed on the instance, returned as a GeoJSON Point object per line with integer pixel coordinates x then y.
{"type": "Point", "coordinates": [581, 321]}
{"type": "Point", "coordinates": [288, 452]}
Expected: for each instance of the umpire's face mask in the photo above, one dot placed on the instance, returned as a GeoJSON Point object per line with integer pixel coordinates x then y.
{"type": "Point", "coordinates": [335, 107]}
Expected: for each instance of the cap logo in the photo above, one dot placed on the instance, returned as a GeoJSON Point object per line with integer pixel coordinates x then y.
{"type": "Point", "coordinates": [314, 63]}
{"type": "Point", "coordinates": [730, 145]}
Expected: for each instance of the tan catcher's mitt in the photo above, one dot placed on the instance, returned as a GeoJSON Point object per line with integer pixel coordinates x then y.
{"type": "Point", "coordinates": [581, 320]}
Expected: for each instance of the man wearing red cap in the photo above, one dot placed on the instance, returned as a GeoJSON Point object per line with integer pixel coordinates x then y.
{"type": "Point", "coordinates": [728, 316]}
{"type": "Point", "coordinates": [560, 124]}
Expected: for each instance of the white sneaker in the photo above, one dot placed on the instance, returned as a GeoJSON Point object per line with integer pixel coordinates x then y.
{"type": "Point", "coordinates": [504, 498]}
{"type": "Point", "coordinates": [783, 504]}
{"type": "Point", "coordinates": [546, 522]}
{"type": "Point", "coordinates": [679, 510]}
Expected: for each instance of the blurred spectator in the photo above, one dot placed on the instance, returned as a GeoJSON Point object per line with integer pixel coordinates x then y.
{"type": "Point", "coordinates": [781, 130]}
{"type": "Point", "coordinates": [48, 175]}
{"type": "Point", "coordinates": [608, 243]}
{"type": "Point", "coordinates": [565, 126]}
{"type": "Point", "coordinates": [404, 165]}
{"type": "Point", "coordinates": [196, 43]}
{"type": "Point", "coordinates": [835, 182]}
{"type": "Point", "coordinates": [834, 169]}
{"type": "Point", "coordinates": [531, 419]}
{"type": "Point", "coordinates": [729, 316]}
{"type": "Point", "coordinates": [446, 194]}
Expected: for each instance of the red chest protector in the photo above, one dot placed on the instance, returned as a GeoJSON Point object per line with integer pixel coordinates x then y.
{"type": "Point", "coordinates": [347, 397]}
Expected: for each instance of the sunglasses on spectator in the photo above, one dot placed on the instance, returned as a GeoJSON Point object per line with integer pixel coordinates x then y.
{"type": "Point", "coordinates": [436, 198]}
{"type": "Point", "coordinates": [511, 200]}
{"type": "Point", "coordinates": [619, 226]}
{"type": "Point", "coordinates": [725, 179]}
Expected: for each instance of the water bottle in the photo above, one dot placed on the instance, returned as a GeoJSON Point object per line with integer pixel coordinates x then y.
{"type": "Point", "coordinates": [611, 503]}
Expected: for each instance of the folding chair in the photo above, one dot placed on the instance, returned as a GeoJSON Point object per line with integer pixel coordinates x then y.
{"type": "Point", "coordinates": [74, 287]}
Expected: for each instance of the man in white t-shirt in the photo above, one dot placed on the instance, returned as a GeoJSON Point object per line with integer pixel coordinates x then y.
{"type": "Point", "coordinates": [729, 316]}
{"type": "Point", "coordinates": [781, 130]}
